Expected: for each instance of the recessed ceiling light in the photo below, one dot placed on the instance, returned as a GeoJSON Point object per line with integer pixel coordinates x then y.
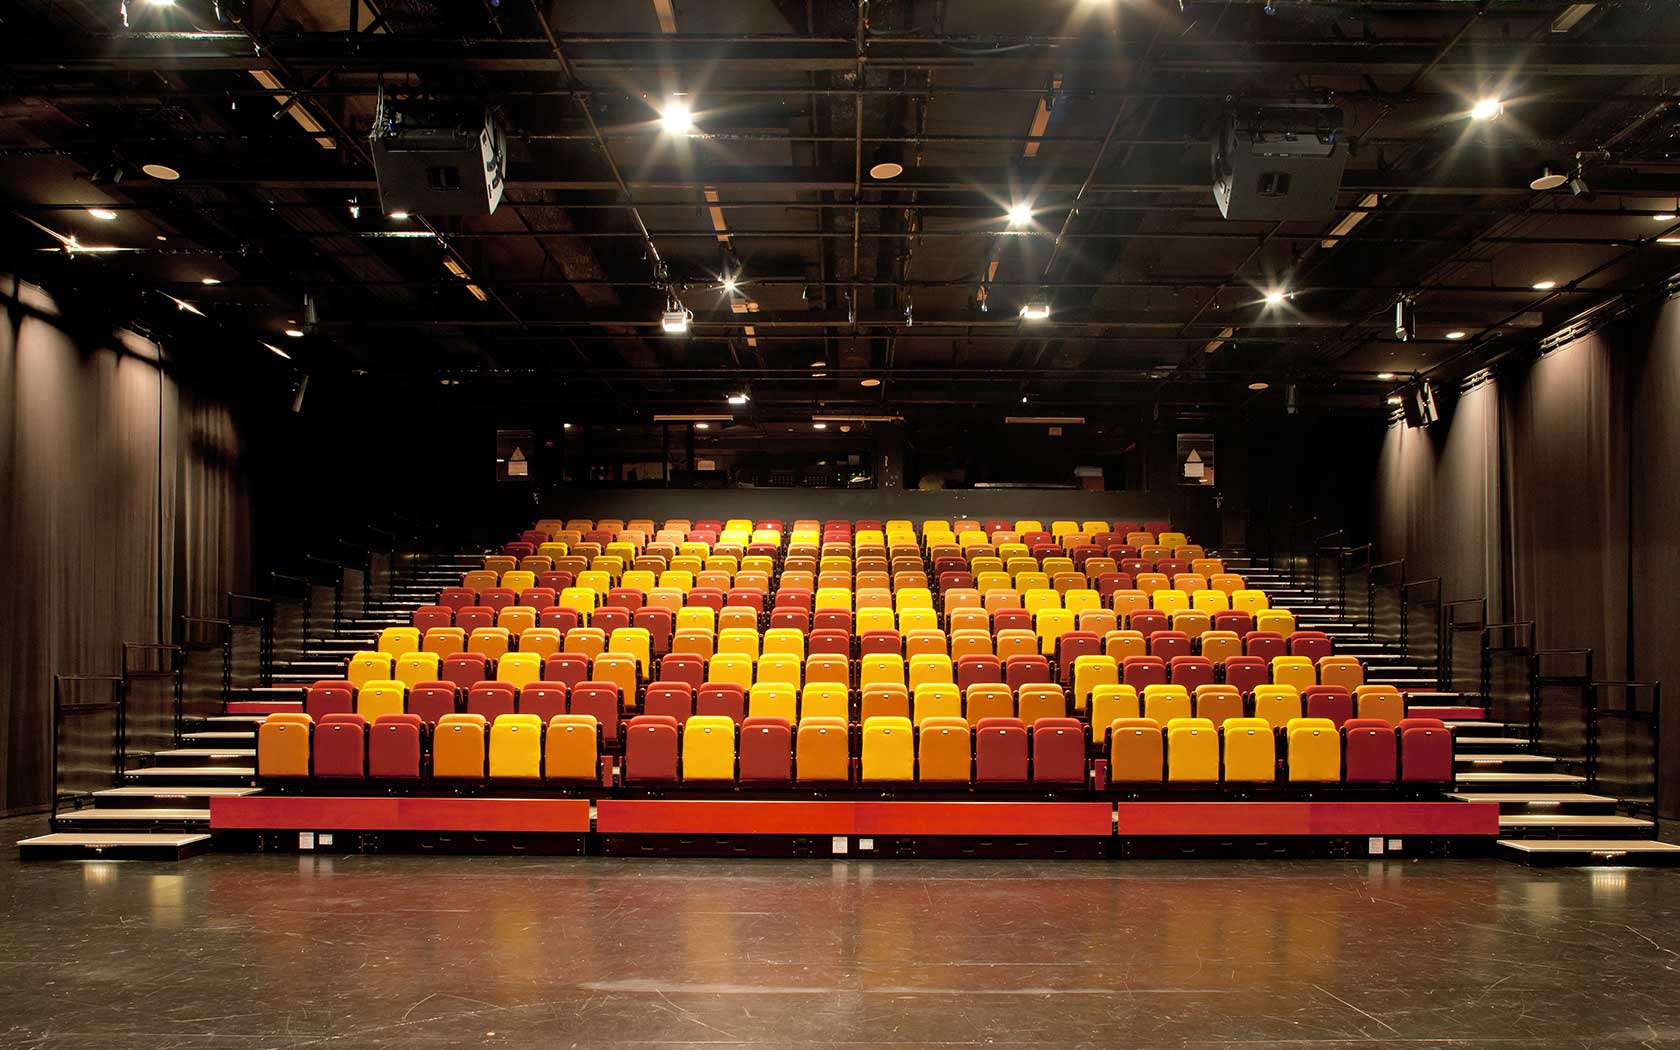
{"type": "Point", "coordinates": [739, 399]}
{"type": "Point", "coordinates": [161, 171]}
{"type": "Point", "coordinates": [1020, 214]}
{"type": "Point", "coordinates": [1548, 180]}
{"type": "Point", "coordinates": [1394, 399]}
{"type": "Point", "coordinates": [565, 426]}
{"type": "Point", "coordinates": [102, 214]}
{"type": "Point", "coordinates": [294, 333]}
{"type": "Point", "coordinates": [819, 375]}
{"type": "Point", "coordinates": [819, 363]}
{"type": "Point", "coordinates": [1664, 217]}
{"type": "Point", "coordinates": [1275, 296]}
{"type": "Point", "coordinates": [399, 214]}
{"type": "Point", "coordinates": [819, 426]}
{"type": "Point", "coordinates": [869, 382]}
{"type": "Point", "coordinates": [1456, 335]}
{"type": "Point", "coordinates": [678, 118]}
{"type": "Point", "coordinates": [888, 162]}
{"type": "Point", "coordinates": [845, 428]}
{"type": "Point", "coordinates": [209, 280]}
{"type": "Point", "coordinates": [702, 426]}
{"type": "Point", "coordinates": [1486, 109]}
{"type": "Point", "coordinates": [1259, 385]}
{"type": "Point", "coordinates": [1544, 286]}
{"type": "Point", "coordinates": [1385, 376]}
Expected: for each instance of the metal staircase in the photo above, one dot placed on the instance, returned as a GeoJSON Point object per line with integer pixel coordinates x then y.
{"type": "Point", "coordinates": [161, 810]}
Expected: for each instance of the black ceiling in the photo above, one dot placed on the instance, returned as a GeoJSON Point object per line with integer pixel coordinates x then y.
{"type": "Point", "coordinates": [264, 109]}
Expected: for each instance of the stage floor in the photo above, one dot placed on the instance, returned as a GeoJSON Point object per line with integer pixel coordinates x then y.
{"type": "Point", "coordinates": [270, 950]}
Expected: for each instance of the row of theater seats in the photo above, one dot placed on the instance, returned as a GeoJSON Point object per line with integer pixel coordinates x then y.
{"type": "Point", "coordinates": [946, 752]}
{"type": "Point", "coordinates": [1030, 701]}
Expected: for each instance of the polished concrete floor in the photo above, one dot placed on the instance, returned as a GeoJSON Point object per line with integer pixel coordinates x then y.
{"type": "Point", "coordinates": [246, 951]}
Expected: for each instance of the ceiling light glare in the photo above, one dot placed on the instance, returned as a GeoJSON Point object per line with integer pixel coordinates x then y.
{"type": "Point", "coordinates": [1548, 180]}
{"type": "Point", "coordinates": [275, 349]}
{"type": "Point", "coordinates": [869, 382]}
{"type": "Point", "coordinates": [1385, 376]}
{"type": "Point", "coordinates": [1394, 399]}
{"type": "Point", "coordinates": [1037, 309]}
{"type": "Point", "coordinates": [1544, 286]}
{"type": "Point", "coordinates": [1275, 296]}
{"type": "Point", "coordinates": [677, 118]}
{"type": "Point", "coordinates": [729, 284]}
{"type": "Point", "coordinates": [819, 426]}
{"type": "Point", "coordinates": [1455, 335]}
{"type": "Point", "coordinates": [209, 280]}
{"type": "Point", "coordinates": [399, 215]}
{"type": "Point", "coordinates": [294, 333]}
{"type": "Point", "coordinates": [1668, 240]}
{"type": "Point", "coordinates": [1020, 214]}
{"type": "Point", "coordinates": [1259, 385]}
{"type": "Point", "coordinates": [702, 426]}
{"type": "Point", "coordinates": [739, 399]}
{"type": "Point", "coordinates": [102, 214]}
{"type": "Point", "coordinates": [1663, 217]}
{"type": "Point", "coordinates": [1487, 108]}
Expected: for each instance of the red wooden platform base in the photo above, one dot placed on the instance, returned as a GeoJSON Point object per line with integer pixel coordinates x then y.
{"type": "Point", "coordinates": [296, 813]}
{"type": "Point", "coordinates": [906, 818]}
{"type": "Point", "coordinates": [1271, 819]}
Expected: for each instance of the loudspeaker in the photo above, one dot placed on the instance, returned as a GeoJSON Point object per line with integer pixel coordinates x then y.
{"type": "Point", "coordinates": [1279, 161]}
{"type": "Point", "coordinates": [438, 160]}
{"type": "Point", "coordinates": [1418, 404]}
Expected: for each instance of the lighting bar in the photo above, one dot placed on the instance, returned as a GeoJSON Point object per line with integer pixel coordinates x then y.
{"type": "Point", "coordinates": [693, 418]}
{"type": "Point", "coordinates": [1219, 340]}
{"type": "Point", "coordinates": [857, 419]}
{"type": "Point", "coordinates": [1055, 420]}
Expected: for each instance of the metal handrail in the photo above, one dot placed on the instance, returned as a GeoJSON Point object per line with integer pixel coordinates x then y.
{"type": "Point", "coordinates": [119, 754]}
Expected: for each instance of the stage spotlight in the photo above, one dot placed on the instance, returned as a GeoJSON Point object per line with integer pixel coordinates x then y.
{"type": "Point", "coordinates": [677, 119]}
{"type": "Point", "coordinates": [1037, 308]}
{"type": "Point", "coordinates": [1275, 296]}
{"type": "Point", "coordinates": [1405, 320]}
{"type": "Point", "coordinates": [1487, 109]}
{"type": "Point", "coordinates": [1020, 214]}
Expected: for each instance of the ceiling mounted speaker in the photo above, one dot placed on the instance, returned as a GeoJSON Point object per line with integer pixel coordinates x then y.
{"type": "Point", "coordinates": [1279, 161]}
{"type": "Point", "coordinates": [432, 159]}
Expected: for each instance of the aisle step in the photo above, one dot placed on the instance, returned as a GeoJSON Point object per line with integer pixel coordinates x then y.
{"type": "Point", "coordinates": [1513, 778]}
{"type": "Point", "coordinates": [135, 815]}
{"type": "Point", "coordinates": [1540, 801]}
{"type": "Point", "coordinates": [1521, 758]}
{"type": "Point", "coordinates": [137, 845]}
{"type": "Point", "coordinates": [1559, 825]}
{"type": "Point", "coordinates": [1592, 852]}
{"type": "Point", "coordinates": [201, 773]}
{"type": "Point", "coordinates": [212, 738]}
{"type": "Point", "coordinates": [164, 795]}
{"type": "Point", "coordinates": [202, 756]}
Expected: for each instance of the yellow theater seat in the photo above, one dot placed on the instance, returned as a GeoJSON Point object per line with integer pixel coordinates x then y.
{"type": "Point", "coordinates": [1169, 601]}
{"type": "Point", "coordinates": [1192, 751]}
{"type": "Point", "coordinates": [283, 745]}
{"type": "Point", "coordinates": [1297, 671]}
{"type": "Point", "coordinates": [935, 700]}
{"type": "Point", "coordinates": [928, 668]}
{"type": "Point", "coordinates": [416, 667]}
{"type": "Point", "coordinates": [1051, 624]}
{"type": "Point", "coordinates": [1090, 672]}
{"type": "Point", "coordinates": [824, 700]}
{"type": "Point", "coordinates": [1164, 703]}
{"type": "Point", "coordinates": [1250, 751]}
{"type": "Point", "coordinates": [1210, 601]}
{"type": "Point", "coordinates": [946, 751]}
{"type": "Point", "coordinates": [397, 641]}
{"type": "Point", "coordinates": [370, 666]}
{"type": "Point", "coordinates": [521, 669]}
{"type": "Point", "coordinates": [1345, 671]}
{"type": "Point", "coordinates": [1277, 704]}
{"type": "Point", "coordinates": [779, 667]}
{"type": "Point", "coordinates": [572, 749]}
{"type": "Point", "coordinates": [773, 700]}
{"type": "Point", "coordinates": [516, 747]}
{"type": "Point", "coordinates": [709, 748]}
{"type": "Point", "coordinates": [458, 747]}
{"type": "Point", "coordinates": [785, 641]}
{"type": "Point", "coordinates": [1249, 601]}
{"type": "Point", "coordinates": [889, 749]}
{"type": "Point", "coordinates": [881, 668]}
{"type": "Point", "coordinates": [1279, 620]}
{"type": "Point", "coordinates": [631, 641]}
{"type": "Point", "coordinates": [731, 668]}
{"type": "Point", "coordinates": [1109, 702]}
{"type": "Point", "coordinates": [739, 641]}
{"type": "Point", "coordinates": [380, 697]}
{"type": "Point", "coordinates": [1315, 750]}
{"type": "Point", "coordinates": [585, 641]}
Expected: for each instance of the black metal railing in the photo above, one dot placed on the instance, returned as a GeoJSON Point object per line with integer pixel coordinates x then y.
{"type": "Point", "coordinates": [250, 637]}
{"type": "Point", "coordinates": [87, 737]}
{"type": "Point", "coordinates": [1422, 623]}
{"type": "Point", "coordinates": [1563, 702]}
{"type": "Point", "coordinates": [151, 682]}
{"type": "Point", "coordinates": [1508, 675]}
{"type": "Point", "coordinates": [1461, 667]}
{"type": "Point", "coordinates": [1354, 589]}
{"type": "Point", "coordinates": [1624, 756]}
{"type": "Point", "coordinates": [1386, 602]}
{"type": "Point", "coordinates": [205, 663]}
{"type": "Point", "coordinates": [1324, 562]}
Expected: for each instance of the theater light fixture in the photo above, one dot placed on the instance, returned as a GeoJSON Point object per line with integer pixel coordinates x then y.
{"type": "Point", "coordinates": [399, 215]}
{"type": "Point", "coordinates": [102, 214]}
{"type": "Point", "coordinates": [1275, 296]}
{"type": "Point", "coordinates": [1487, 108]}
{"type": "Point", "coordinates": [1544, 286]}
{"type": "Point", "coordinates": [1037, 308]}
{"type": "Point", "coordinates": [702, 426]}
{"type": "Point", "coordinates": [819, 426]}
{"type": "Point", "coordinates": [729, 284]}
{"type": "Point", "coordinates": [1668, 240]}
{"type": "Point", "coordinates": [888, 162]}
{"type": "Point", "coordinates": [739, 399]}
{"type": "Point", "coordinates": [1394, 399]}
{"type": "Point", "coordinates": [1020, 213]}
{"type": "Point", "coordinates": [295, 333]}
{"type": "Point", "coordinates": [162, 172]}
{"type": "Point", "coordinates": [1548, 180]}
{"type": "Point", "coordinates": [209, 280]}
{"type": "Point", "coordinates": [869, 382]}
{"type": "Point", "coordinates": [1663, 217]}
{"type": "Point", "coordinates": [1259, 385]}
{"type": "Point", "coordinates": [674, 321]}
{"type": "Point", "coordinates": [819, 363]}
{"type": "Point", "coordinates": [1405, 320]}
{"type": "Point", "coordinates": [1456, 335]}
{"type": "Point", "coordinates": [1385, 376]}
{"type": "Point", "coordinates": [677, 118]}
{"type": "Point", "coordinates": [275, 349]}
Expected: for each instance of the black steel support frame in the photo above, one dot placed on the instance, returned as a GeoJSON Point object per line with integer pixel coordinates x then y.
{"type": "Point", "coordinates": [1597, 710]}
{"type": "Point", "coordinates": [61, 708]}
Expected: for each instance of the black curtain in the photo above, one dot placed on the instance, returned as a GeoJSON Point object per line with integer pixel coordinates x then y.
{"type": "Point", "coordinates": [113, 514]}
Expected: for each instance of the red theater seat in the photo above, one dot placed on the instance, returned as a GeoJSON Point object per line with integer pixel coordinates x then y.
{"type": "Point", "coordinates": [428, 616]}
{"type": "Point", "coordinates": [432, 700]}
{"type": "Point", "coordinates": [555, 580]}
{"type": "Point", "coordinates": [1109, 582]}
{"type": "Point", "coordinates": [721, 698]}
{"type": "Point", "coordinates": [978, 668]}
{"type": "Point", "coordinates": [650, 750]}
{"type": "Point", "coordinates": [1070, 646]}
{"type": "Point", "coordinates": [626, 598]}
{"type": "Point", "coordinates": [599, 699]}
{"type": "Point", "coordinates": [340, 746]}
{"type": "Point", "coordinates": [543, 699]}
{"type": "Point", "coordinates": [538, 598]}
{"type": "Point", "coordinates": [471, 617]}
{"type": "Point", "coordinates": [689, 668]}
{"type": "Point", "coordinates": [1191, 671]}
{"type": "Point", "coordinates": [560, 618]}
{"type": "Point", "coordinates": [457, 598]}
{"type": "Point", "coordinates": [465, 669]}
{"type": "Point", "coordinates": [609, 619]}
{"type": "Point", "coordinates": [1026, 670]}
{"type": "Point", "coordinates": [829, 642]}
{"type": "Point", "coordinates": [1246, 672]}
{"type": "Point", "coordinates": [1264, 644]}
{"type": "Point", "coordinates": [1000, 752]}
{"type": "Point", "coordinates": [1425, 751]}
{"type": "Point", "coordinates": [1011, 620]}
{"type": "Point", "coordinates": [1334, 702]}
{"type": "Point", "coordinates": [1058, 751]}
{"type": "Point", "coordinates": [491, 699]}
{"type": "Point", "coordinates": [329, 697]}
{"type": "Point", "coordinates": [1370, 754]}
{"type": "Point", "coordinates": [658, 623]}
{"type": "Point", "coordinates": [832, 620]}
{"type": "Point", "coordinates": [1168, 645]}
{"type": "Point", "coordinates": [1141, 671]}
{"type": "Point", "coordinates": [766, 751]}
{"type": "Point", "coordinates": [672, 699]}
{"type": "Point", "coordinates": [1239, 623]}
{"type": "Point", "coordinates": [798, 619]}
{"type": "Point", "coordinates": [393, 747]}
{"type": "Point", "coordinates": [566, 668]}
{"type": "Point", "coordinates": [1314, 645]}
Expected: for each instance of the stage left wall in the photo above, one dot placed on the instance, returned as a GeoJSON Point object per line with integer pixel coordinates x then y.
{"type": "Point", "coordinates": [127, 502]}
